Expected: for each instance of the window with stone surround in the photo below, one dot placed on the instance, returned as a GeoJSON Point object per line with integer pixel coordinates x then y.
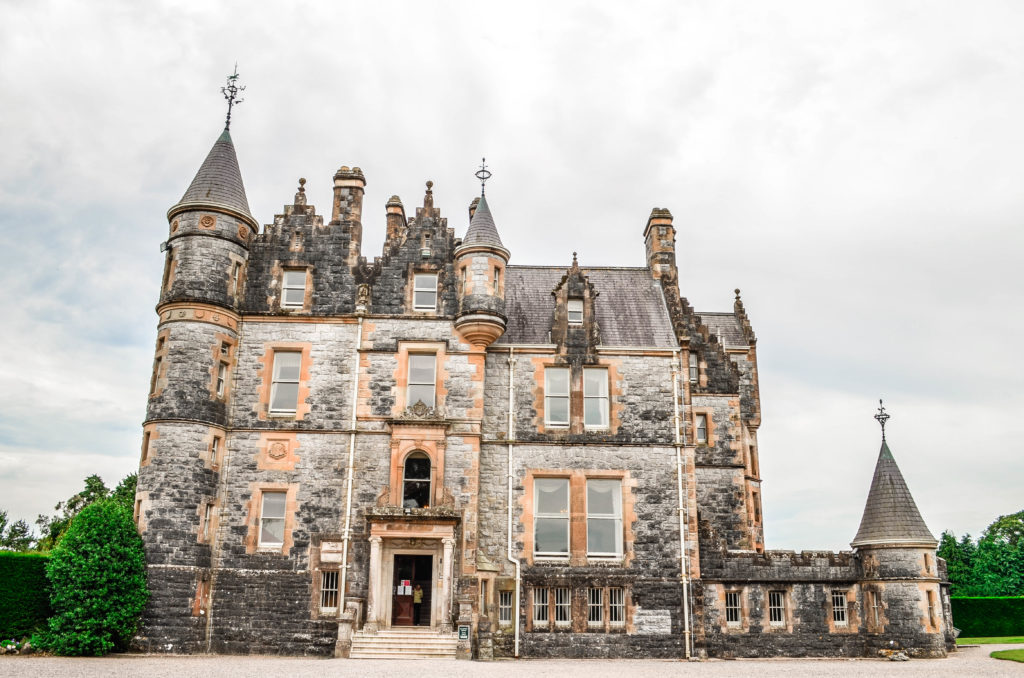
{"type": "Point", "coordinates": [293, 288]}
{"type": "Point", "coordinates": [416, 481]}
{"type": "Point", "coordinates": [215, 450]}
{"type": "Point", "coordinates": [236, 280]}
{"type": "Point", "coordinates": [563, 606]}
{"type": "Point", "coordinates": [497, 281]}
{"type": "Point", "coordinates": [551, 517]}
{"type": "Point", "coordinates": [574, 308]}
{"type": "Point", "coordinates": [732, 608]}
{"type": "Point", "coordinates": [328, 592]}
{"type": "Point", "coordinates": [604, 517]}
{"type": "Point", "coordinates": [595, 397]}
{"type": "Point", "coordinates": [422, 384]}
{"type": "Point", "coordinates": [207, 521]}
{"type": "Point", "coordinates": [145, 445]}
{"type": "Point", "coordinates": [222, 378]}
{"type": "Point", "coordinates": [556, 396]}
{"type": "Point", "coordinates": [156, 375]}
{"type": "Point", "coordinates": [595, 606]}
{"type": "Point", "coordinates": [284, 388]}
{"type": "Point", "coordinates": [839, 617]}
{"type": "Point", "coordinates": [777, 608]}
{"type": "Point", "coordinates": [540, 606]}
{"type": "Point", "coordinates": [701, 421]}
{"type": "Point", "coordinates": [617, 606]}
{"type": "Point", "coordinates": [424, 292]}
{"type": "Point", "coordinates": [272, 516]}
{"type": "Point", "coordinates": [505, 601]}
{"type": "Point", "coordinates": [694, 372]}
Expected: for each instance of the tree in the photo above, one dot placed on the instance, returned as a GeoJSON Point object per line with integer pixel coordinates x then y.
{"type": "Point", "coordinates": [959, 557]}
{"type": "Point", "coordinates": [1008, 529]}
{"type": "Point", "coordinates": [52, 527]}
{"type": "Point", "coordinates": [98, 576]}
{"type": "Point", "coordinates": [14, 537]}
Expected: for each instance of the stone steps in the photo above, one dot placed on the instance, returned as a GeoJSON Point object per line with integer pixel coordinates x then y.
{"type": "Point", "coordinates": [404, 643]}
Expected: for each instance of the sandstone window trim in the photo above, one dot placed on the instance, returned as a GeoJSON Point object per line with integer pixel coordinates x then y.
{"type": "Point", "coordinates": [840, 611]}
{"type": "Point", "coordinates": [424, 292]}
{"type": "Point", "coordinates": [328, 594]}
{"type": "Point", "coordinates": [222, 379]}
{"type": "Point", "coordinates": [595, 398]}
{"type": "Point", "coordinates": [294, 282]}
{"type": "Point", "coordinates": [557, 388]}
{"type": "Point", "coordinates": [601, 516]}
{"type": "Point", "coordinates": [733, 609]}
{"type": "Point", "coordinates": [562, 606]}
{"type": "Point", "coordinates": [595, 607]}
{"type": "Point", "coordinates": [574, 310]}
{"type": "Point", "coordinates": [541, 613]}
{"type": "Point", "coordinates": [206, 522]}
{"type": "Point", "coordinates": [616, 606]}
{"type": "Point", "coordinates": [694, 369]}
{"type": "Point", "coordinates": [146, 438]}
{"type": "Point", "coordinates": [272, 519]}
{"type": "Point", "coordinates": [286, 379]}
{"type": "Point", "coordinates": [702, 428]}
{"type": "Point", "coordinates": [505, 601]}
{"type": "Point", "coordinates": [236, 280]}
{"type": "Point", "coordinates": [417, 481]}
{"type": "Point", "coordinates": [777, 608]}
{"type": "Point", "coordinates": [497, 281]}
{"type": "Point", "coordinates": [216, 442]}
{"type": "Point", "coordinates": [552, 499]}
{"type": "Point", "coordinates": [421, 385]}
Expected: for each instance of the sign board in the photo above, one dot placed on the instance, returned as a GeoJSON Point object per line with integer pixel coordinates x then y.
{"type": "Point", "coordinates": [652, 622]}
{"type": "Point", "coordinates": [463, 632]}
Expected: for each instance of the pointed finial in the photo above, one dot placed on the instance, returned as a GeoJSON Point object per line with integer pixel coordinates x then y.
{"type": "Point", "coordinates": [483, 174]}
{"type": "Point", "coordinates": [737, 290]}
{"type": "Point", "coordinates": [428, 197]}
{"type": "Point", "coordinates": [882, 417]}
{"type": "Point", "coordinates": [574, 257]}
{"type": "Point", "coordinates": [300, 196]}
{"type": "Point", "coordinates": [230, 92]}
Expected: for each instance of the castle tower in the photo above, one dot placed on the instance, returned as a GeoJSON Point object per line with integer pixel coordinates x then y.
{"type": "Point", "coordinates": [660, 244]}
{"type": "Point", "coordinates": [185, 432]}
{"type": "Point", "coordinates": [901, 604]}
{"type": "Point", "coordinates": [480, 263]}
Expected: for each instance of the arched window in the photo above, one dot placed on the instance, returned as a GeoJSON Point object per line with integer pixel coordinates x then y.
{"type": "Point", "coordinates": [416, 482]}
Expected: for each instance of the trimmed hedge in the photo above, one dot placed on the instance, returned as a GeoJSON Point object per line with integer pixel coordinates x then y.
{"type": "Point", "coordinates": [978, 617]}
{"type": "Point", "coordinates": [24, 594]}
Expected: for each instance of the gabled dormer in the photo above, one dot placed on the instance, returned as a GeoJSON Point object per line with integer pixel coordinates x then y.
{"type": "Point", "coordinates": [574, 327]}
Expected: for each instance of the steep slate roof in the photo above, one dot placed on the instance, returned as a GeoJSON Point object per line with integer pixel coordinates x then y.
{"type": "Point", "coordinates": [482, 230]}
{"type": "Point", "coordinates": [630, 308]}
{"type": "Point", "coordinates": [890, 514]}
{"type": "Point", "coordinates": [219, 182]}
{"type": "Point", "coordinates": [725, 326]}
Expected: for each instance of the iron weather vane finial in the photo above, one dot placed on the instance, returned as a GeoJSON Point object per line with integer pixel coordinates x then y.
{"type": "Point", "coordinates": [483, 174]}
{"type": "Point", "coordinates": [231, 92]}
{"type": "Point", "coordinates": [882, 417]}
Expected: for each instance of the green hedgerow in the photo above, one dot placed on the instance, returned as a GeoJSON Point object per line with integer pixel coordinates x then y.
{"type": "Point", "coordinates": [98, 577]}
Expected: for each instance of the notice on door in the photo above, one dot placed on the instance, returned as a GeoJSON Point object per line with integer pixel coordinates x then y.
{"type": "Point", "coordinates": [652, 622]}
{"type": "Point", "coordinates": [404, 588]}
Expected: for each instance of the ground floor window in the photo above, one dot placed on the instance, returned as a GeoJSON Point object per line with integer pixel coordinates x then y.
{"type": "Point", "coordinates": [595, 607]}
{"type": "Point", "coordinates": [839, 608]}
{"type": "Point", "coordinates": [329, 591]}
{"type": "Point", "coordinates": [732, 608]}
{"type": "Point", "coordinates": [505, 607]}
{"type": "Point", "coordinates": [777, 608]}
{"type": "Point", "coordinates": [553, 607]}
{"type": "Point", "coordinates": [563, 606]}
{"type": "Point", "coordinates": [540, 606]}
{"type": "Point", "coordinates": [617, 606]}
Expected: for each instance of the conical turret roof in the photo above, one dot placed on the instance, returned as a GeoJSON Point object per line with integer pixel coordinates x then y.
{"type": "Point", "coordinates": [890, 514]}
{"type": "Point", "coordinates": [218, 183]}
{"type": "Point", "coordinates": [482, 230]}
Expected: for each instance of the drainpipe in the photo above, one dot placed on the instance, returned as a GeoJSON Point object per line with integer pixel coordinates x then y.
{"type": "Point", "coordinates": [346, 534]}
{"type": "Point", "coordinates": [511, 556]}
{"type": "Point", "coordinates": [683, 560]}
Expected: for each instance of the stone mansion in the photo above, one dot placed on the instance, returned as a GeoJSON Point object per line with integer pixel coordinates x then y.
{"type": "Point", "coordinates": [439, 452]}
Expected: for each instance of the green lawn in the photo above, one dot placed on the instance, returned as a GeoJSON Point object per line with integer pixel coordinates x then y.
{"type": "Point", "coordinates": [1012, 655]}
{"type": "Point", "coordinates": [996, 640]}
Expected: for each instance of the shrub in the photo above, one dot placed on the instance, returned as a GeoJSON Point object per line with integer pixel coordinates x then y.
{"type": "Point", "coordinates": [98, 577]}
{"type": "Point", "coordinates": [24, 593]}
{"type": "Point", "coordinates": [979, 617]}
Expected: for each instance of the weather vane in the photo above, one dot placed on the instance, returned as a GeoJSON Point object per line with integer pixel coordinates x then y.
{"type": "Point", "coordinates": [882, 417]}
{"type": "Point", "coordinates": [483, 174]}
{"type": "Point", "coordinates": [231, 91]}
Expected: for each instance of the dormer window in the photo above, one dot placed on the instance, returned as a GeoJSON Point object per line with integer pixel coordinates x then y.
{"type": "Point", "coordinates": [424, 292]}
{"type": "Point", "coordinates": [575, 308]}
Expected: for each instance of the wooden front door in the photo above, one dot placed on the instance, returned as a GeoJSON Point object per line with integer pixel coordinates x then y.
{"type": "Point", "coordinates": [411, 571]}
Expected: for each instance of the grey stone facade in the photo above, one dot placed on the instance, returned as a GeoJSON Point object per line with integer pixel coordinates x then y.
{"type": "Point", "coordinates": [613, 512]}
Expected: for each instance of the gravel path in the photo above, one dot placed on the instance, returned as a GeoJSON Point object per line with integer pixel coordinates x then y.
{"type": "Point", "coordinates": [967, 662]}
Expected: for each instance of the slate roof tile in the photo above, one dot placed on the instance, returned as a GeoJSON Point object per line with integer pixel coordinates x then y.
{"type": "Point", "coordinates": [890, 514]}
{"type": "Point", "coordinates": [219, 181]}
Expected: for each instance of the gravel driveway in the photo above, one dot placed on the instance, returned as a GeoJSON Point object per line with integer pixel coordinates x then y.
{"type": "Point", "coordinates": [967, 662]}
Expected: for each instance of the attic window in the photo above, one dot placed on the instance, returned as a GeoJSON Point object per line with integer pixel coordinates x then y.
{"type": "Point", "coordinates": [575, 308]}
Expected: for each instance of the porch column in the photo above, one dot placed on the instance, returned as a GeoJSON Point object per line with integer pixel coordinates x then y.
{"type": "Point", "coordinates": [372, 602]}
{"type": "Point", "coordinates": [446, 584]}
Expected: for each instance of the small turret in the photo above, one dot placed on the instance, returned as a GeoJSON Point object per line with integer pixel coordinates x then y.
{"type": "Point", "coordinates": [480, 263]}
{"type": "Point", "coordinates": [900, 588]}
{"type": "Point", "coordinates": [349, 186]}
{"type": "Point", "coordinates": [660, 244]}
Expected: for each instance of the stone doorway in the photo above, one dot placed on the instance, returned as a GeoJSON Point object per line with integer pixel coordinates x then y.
{"type": "Point", "coordinates": [411, 571]}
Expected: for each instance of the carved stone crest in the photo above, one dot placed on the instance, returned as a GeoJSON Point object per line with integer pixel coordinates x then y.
{"type": "Point", "coordinates": [277, 450]}
{"type": "Point", "coordinates": [419, 411]}
{"type": "Point", "coordinates": [243, 233]}
{"type": "Point", "coordinates": [207, 221]}
{"type": "Point", "coordinates": [174, 226]}
{"type": "Point", "coordinates": [363, 296]}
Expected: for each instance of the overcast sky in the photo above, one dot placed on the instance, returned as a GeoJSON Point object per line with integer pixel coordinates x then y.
{"type": "Point", "coordinates": [855, 168]}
